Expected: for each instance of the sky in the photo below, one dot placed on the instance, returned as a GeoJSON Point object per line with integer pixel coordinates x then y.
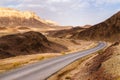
{"type": "Point", "coordinates": [68, 12]}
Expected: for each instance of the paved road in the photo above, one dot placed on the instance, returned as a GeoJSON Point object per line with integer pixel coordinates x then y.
{"type": "Point", "coordinates": [42, 70]}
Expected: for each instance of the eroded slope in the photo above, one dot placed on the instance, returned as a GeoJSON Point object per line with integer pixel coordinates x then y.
{"type": "Point", "coordinates": [27, 43]}
{"type": "Point", "coordinates": [107, 30]}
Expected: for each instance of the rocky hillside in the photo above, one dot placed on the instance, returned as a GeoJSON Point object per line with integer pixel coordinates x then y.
{"type": "Point", "coordinates": [27, 43]}
{"type": "Point", "coordinates": [12, 18]}
{"type": "Point", "coordinates": [107, 30]}
{"type": "Point", "coordinates": [106, 64]}
{"type": "Point", "coordinates": [66, 33]}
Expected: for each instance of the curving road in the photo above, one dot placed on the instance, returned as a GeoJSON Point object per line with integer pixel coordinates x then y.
{"type": "Point", "coordinates": [42, 70]}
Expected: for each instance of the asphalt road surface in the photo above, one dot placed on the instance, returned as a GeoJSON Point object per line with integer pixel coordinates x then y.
{"type": "Point", "coordinates": [44, 69]}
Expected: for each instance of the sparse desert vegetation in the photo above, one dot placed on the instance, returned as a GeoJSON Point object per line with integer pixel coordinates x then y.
{"type": "Point", "coordinates": [15, 62]}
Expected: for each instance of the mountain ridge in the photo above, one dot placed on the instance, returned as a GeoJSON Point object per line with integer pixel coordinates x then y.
{"type": "Point", "coordinates": [108, 29]}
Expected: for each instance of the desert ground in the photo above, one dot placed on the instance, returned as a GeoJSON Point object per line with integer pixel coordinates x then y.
{"type": "Point", "coordinates": [104, 63]}
{"type": "Point", "coordinates": [25, 38]}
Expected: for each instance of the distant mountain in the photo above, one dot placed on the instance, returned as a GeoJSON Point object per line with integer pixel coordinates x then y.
{"type": "Point", "coordinates": [107, 30]}
{"type": "Point", "coordinates": [87, 26]}
{"type": "Point", "coordinates": [12, 18]}
{"type": "Point", "coordinates": [27, 43]}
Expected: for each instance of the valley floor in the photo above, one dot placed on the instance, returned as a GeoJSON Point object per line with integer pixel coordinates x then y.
{"type": "Point", "coordinates": [18, 61]}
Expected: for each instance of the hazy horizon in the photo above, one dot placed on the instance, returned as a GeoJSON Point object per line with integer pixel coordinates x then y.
{"type": "Point", "coordinates": [68, 12]}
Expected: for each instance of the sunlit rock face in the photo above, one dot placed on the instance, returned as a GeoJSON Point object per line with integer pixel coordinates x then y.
{"type": "Point", "coordinates": [11, 17]}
